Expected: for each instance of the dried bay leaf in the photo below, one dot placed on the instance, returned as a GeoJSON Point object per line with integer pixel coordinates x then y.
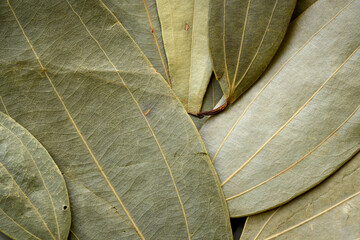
{"type": "Point", "coordinates": [135, 166]}
{"type": "Point", "coordinates": [300, 121]}
{"type": "Point", "coordinates": [141, 20]}
{"type": "Point", "coordinates": [34, 202]}
{"type": "Point", "coordinates": [329, 211]}
{"type": "Point", "coordinates": [185, 33]}
{"type": "Point", "coordinates": [243, 38]}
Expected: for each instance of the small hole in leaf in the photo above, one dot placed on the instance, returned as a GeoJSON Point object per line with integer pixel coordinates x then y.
{"type": "Point", "coordinates": [64, 207]}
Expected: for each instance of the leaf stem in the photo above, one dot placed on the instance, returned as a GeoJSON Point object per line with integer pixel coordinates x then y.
{"type": "Point", "coordinates": [212, 112]}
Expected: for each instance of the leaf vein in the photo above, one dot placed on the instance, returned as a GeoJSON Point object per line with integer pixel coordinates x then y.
{"type": "Point", "coordinates": [298, 161]}
{"type": "Point", "coordinates": [315, 216]}
{"type": "Point", "coordinates": [260, 45]}
{"type": "Point", "coordinates": [241, 44]}
{"type": "Point", "coordinates": [41, 176]}
{"type": "Point", "coordinates": [157, 43]}
{"type": "Point", "coordinates": [21, 227]}
{"type": "Point", "coordinates": [148, 124]}
{"type": "Point", "coordinates": [272, 78]}
{"type": "Point", "coordinates": [291, 118]}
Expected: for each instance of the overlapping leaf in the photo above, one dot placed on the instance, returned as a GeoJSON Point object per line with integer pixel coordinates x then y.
{"type": "Point", "coordinates": [301, 6]}
{"type": "Point", "coordinates": [243, 38]}
{"type": "Point", "coordinates": [34, 203]}
{"type": "Point", "coordinates": [212, 97]}
{"type": "Point", "coordinates": [330, 211]}
{"type": "Point", "coordinates": [133, 161]}
{"type": "Point", "coordinates": [300, 122]}
{"type": "Point", "coordinates": [141, 20]}
{"type": "Point", "coordinates": [184, 29]}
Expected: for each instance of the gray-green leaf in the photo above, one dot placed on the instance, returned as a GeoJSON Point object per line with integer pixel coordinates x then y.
{"type": "Point", "coordinates": [243, 38]}
{"type": "Point", "coordinates": [301, 121]}
{"type": "Point", "coordinates": [134, 163]}
{"type": "Point", "coordinates": [330, 211]}
{"type": "Point", "coordinates": [185, 33]}
{"type": "Point", "coordinates": [141, 20]}
{"type": "Point", "coordinates": [34, 203]}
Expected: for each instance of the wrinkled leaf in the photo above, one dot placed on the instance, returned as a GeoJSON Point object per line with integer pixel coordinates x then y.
{"type": "Point", "coordinates": [34, 203]}
{"type": "Point", "coordinates": [243, 38]}
{"type": "Point", "coordinates": [133, 161]}
{"type": "Point", "coordinates": [301, 6]}
{"type": "Point", "coordinates": [300, 122]}
{"type": "Point", "coordinates": [330, 211]}
{"type": "Point", "coordinates": [141, 20]}
{"type": "Point", "coordinates": [184, 30]}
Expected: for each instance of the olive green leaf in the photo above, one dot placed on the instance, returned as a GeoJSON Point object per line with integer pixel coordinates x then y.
{"type": "Point", "coordinates": [141, 20]}
{"type": "Point", "coordinates": [134, 163]}
{"type": "Point", "coordinates": [243, 38]}
{"type": "Point", "coordinates": [300, 122]}
{"type": "Point", "coordinates": [184, 30]}
{"type": "Point", "coordinates": [212, 96]}
{"type": "Point", "coordinates": [34, 203]}
{"type": "Point", "coordinates": [329, 211]}
{"type": "Point", "coordinates": [301, 6]}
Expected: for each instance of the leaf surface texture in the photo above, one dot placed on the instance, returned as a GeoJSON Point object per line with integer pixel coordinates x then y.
{"type": "Point", "coordinates": [133, 161]}
{"type": "Point", "coordinates": [141, 20]}
{"type": "Point", "coordinates": [34, 203]}
{"type": "Point", "coordinates": [185, 33]}
{"type": "Point", "coordinates": [329, 211]}
{"type": "Point", "coordinates": [300, 122]}
{"type": "Point", "coordinates": [243, 38]}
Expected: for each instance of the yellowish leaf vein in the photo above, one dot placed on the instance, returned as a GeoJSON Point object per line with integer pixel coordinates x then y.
{"type": "Point", "coordinates": [298, 161]}
{"type": "Point", "coordinates": [148, 124]}
{"type": "Point", "coordinates": [313, 217]}
{"type": "Point", "coordinates": [241, 44]}
{"type": "Point", "coordinates": [21, 227]}
{"type": "Point", "coordinates": [260, 45]}
{"type": "Point", "coordinates": [253, 100]}
{"type": "Point", "coordinates": [290, 119]}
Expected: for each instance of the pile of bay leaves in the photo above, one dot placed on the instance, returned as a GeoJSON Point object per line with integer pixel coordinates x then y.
{"type": "Point", "coordinates": [102, 127]}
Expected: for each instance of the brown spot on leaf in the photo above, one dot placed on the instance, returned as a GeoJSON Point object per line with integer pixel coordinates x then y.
{"type": "Point", "coordinates": [146, 112]}
{"type": "Point", "coordinates": [187, 27]}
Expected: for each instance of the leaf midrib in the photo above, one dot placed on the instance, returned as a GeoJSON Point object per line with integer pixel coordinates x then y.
{"type": "Point", "coordinates": [298, 161]}
{"type": "Point", "coordinates": [21, 227]}
{"type": "Point", "coordinates": [23, 193]}
{"type": "Point", "coordinates": [314, 216]}
{"type": "Point", "coordinates": [147, 122]}
{"type": "Point", "coordinates": [260, 45]}
{"type": "Point", "coordinates": [156, 42]}
{"type": "Point", "coordinates": [291, 118]}
{"type": "Point", "coordinates": [41, 177]}
{"type": "Point", "coordinates": [271, 79]}
{"type": "Point", "coordinates": [80, 134]}
{"type": "Point", "coordinates": [241, 46]}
